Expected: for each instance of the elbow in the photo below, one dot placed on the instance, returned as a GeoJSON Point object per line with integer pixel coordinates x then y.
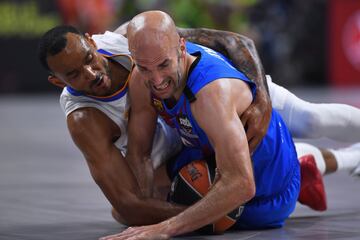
{"type": "Point", "coordinates": [126, 203]}
{"type": "Point", "coordinates": [250, 191]}
{"type": "Point", "coordinates": [247, 190]}
{"type": "Point", "coordinates": [128, 207]}
{"type": "Point", "coordinates": [126, 213]}
{"type": "Point", "coordinates": [247, 41]}
{"type": "Point", "coordinates": [243, 40]}
{"type": "Point", "coordinates": [129, 211]}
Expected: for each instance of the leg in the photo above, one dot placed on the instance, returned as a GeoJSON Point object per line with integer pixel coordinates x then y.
{"type": "Point", "coordinates": [309, 120]}
{"type": "Point", "coordinates": [331, 160]}
{"type": "Point", "coordinates": [315, 162]}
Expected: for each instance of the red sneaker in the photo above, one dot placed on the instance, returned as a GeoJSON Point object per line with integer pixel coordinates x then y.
{"type": "Point", "coordinates": [312, 190]}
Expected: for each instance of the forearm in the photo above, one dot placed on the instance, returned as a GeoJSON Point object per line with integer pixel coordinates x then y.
{"type": "Point", "coordinates": [234, 181]}
{"type": "Point", "coordinates": [122, 190]}
{"type": "Point", "coordinates": [141, 166]}
{"type": "Point", "coordinates": [144, 211]}
{"type": "Point", "coordinates": [151, 211]}
{"type": "Point", "coordinates": [240, 49]}
{"type": "Point", "coordinates": [136, 210]}
{"type": "Point", "coordinates": [207, 210]}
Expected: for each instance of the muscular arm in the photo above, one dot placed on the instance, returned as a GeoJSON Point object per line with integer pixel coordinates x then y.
{"type": "Point", "coordinates": [241, 50]}
{"type": "Point", "coordinates": [93, 133]}
{"type": "Point", "coordinates": [235, 184]}
{"type": "Point", "coordinates": [141, 128]}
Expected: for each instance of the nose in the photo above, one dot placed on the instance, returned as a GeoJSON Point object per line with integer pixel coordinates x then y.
{"type": "Point", "coordinates": [156, 78]}
{"type": "Point", "coordinates": [90, 73]}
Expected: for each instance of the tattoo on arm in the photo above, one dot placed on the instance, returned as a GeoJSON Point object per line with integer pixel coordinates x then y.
{"type": "Point", "coordinates": [240, 49]}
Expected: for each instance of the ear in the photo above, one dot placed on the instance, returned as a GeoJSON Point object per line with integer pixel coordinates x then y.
{"type": "Point", "coordinates": [90, 40]}
{"type": "Point", "coordinates": [182, 47]}
{"type": "Point", "coordinates": [57, 82]}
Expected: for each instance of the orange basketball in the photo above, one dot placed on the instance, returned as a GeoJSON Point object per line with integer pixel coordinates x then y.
{"type": "Point", "coordinates": [191, 184]}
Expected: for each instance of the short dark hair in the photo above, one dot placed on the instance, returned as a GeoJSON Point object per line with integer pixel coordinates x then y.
{"type": "Point", "coordinates": [53, 42]}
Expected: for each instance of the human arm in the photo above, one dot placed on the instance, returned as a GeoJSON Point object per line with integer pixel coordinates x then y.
{"type": "Point", "coordinates": [242, 52]}
{"type": "Point", "coordinates": [140, 139]}
{"type": "Point", "coordinates": [94, 134]}
{"type": "Point", "coordinates": [224, 100]}
{"type": "Point", "coordinates": [122, 29]}
{"type": "Point", "coordinates": [218, 104]}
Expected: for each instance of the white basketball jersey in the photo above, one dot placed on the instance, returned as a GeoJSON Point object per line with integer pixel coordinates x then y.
{"type": "Point", "coordinates": [166, 141]}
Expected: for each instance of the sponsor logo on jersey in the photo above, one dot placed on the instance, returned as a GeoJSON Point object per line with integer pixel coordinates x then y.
{"type": "Point", "coordinates": [187, 134]}
{"type": "Point", "coordinates": [186, 142]}
{"type": "Point", "coordinates": [184, 123]}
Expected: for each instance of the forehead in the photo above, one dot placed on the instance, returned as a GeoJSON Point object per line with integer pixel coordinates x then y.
{"type": "Point", "coordinates": [75, 44]}
{"type": "Point", "coordinates": [149, 47]}
{"type": "Point", "coordinates": [73, 53]}
{"type": "Point", "coordinates": [154, 55]}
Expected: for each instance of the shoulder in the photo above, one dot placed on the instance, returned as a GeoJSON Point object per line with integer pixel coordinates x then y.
{"type": "Point", "coordinates": [225, 87]}
{"type": "Point", "coordinates": [70, 102]}
{"type": "Point", "coordinates": [228, 93]}
{"type": "Point", "coordinates": [88, 122]}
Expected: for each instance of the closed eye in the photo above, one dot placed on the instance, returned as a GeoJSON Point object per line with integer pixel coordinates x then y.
{"type": "Point", "coordinates": [74, 74]}
{"type": "Point", "coordinates": [141, 68]}
{"type": "Point", "coordinates": [164, 64]}
{"type": "Point", "coordinates": [89, 58]}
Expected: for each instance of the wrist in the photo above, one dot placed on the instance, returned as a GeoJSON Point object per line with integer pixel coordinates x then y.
{"type": "Point", "coordinates": [169, 227]}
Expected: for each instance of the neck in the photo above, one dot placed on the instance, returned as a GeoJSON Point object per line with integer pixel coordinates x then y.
{"type": "Point", "coordinates": [118, 75]}
{"type": "Point", "coordinates": [188, 61]}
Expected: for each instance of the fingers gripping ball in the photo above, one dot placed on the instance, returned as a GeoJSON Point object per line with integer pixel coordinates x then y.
{"type": "Point", "coordinates": [191, 184]}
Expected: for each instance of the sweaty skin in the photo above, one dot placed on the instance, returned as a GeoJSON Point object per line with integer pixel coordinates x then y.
{"type": "Point", "coordinates": [81, 67]}
{"type": "Point", "coordinates": [163, 69]}
{"type": "Point", "coordinates": [241, 50]}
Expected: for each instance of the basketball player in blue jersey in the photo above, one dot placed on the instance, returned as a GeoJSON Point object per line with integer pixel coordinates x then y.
{"type": "Point", "coordinates": [94, 74]}
{"type": "Point", "coordinates": [198, 92]}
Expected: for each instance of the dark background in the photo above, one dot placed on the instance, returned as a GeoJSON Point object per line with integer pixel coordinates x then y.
{"type": "Point", "coordinates": [300, 43]}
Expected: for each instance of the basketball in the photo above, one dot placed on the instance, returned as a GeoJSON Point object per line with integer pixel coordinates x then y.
{"type": "Point", "coordinates": [191, 184]}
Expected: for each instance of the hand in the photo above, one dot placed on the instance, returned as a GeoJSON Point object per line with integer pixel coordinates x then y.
{"type": "Point", "coordinates": [256, 120]}
{"type": "Point", "coordinates": [151, 232]}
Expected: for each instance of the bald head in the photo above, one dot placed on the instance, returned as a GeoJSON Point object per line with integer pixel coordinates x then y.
{"type": "Point", "coordinates": [150, 30]}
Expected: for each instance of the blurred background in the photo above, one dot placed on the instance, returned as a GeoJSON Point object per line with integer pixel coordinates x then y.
{"type": "Point", "coordinates": [316, 43]}
{"type": "Point", "coordinates": [46, 191]}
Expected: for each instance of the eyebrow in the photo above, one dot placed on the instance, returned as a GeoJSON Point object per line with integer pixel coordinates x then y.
{"type": "Point", "coordinates": [68, 74]}
{"type": "Point", "coordinates": [163, 63]}
{"type": "Point", "coordinates": [88, 52]}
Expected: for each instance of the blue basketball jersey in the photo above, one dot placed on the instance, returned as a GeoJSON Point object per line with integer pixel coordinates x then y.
{"type": "Point", "coordinates": [274, 159]}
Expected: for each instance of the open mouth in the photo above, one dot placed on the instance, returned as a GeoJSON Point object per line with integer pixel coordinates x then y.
{"type": "Point", "coordinates": [99, 81]}
{"type": "Point", "coordinates": [163, 86]}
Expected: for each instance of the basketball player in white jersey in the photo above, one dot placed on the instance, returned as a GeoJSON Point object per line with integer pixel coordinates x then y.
{"type": "Point", "coordinates": [95, 82]}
